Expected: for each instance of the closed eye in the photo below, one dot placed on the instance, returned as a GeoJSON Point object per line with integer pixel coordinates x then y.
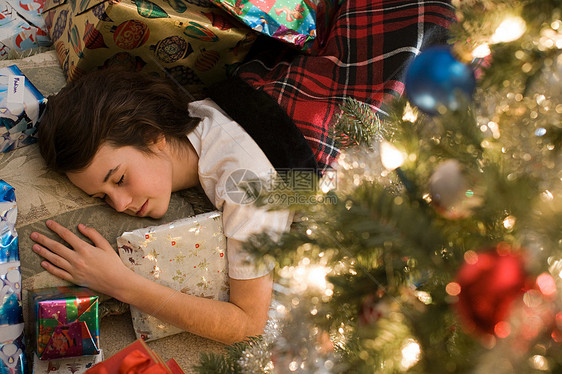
{"type": "Point", "coordinates": [121, 180]}
{"type": "Point", "coordinates": [102, 197]}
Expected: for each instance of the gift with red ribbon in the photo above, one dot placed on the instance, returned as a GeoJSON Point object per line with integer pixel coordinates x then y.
{"type": "Point", "coordinates": [136, 358]}
{"type": "Point", "coordinates": [66, 322]}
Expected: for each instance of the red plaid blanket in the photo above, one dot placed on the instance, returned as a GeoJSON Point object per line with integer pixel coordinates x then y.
{"type": "Point", "coordinates": [365, 56]}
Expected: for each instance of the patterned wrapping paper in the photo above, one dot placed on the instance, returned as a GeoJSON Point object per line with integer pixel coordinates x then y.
{"type": "Point", "coordinates": [21, 26]}
{"type": "Point", "coordinates": [65, 322]}
{"type": "Point", "coordinates": [188, 255]}
{"type": "Point", "coordinates": [21, 109]}
{"type": "Point", "coordinates": [297, 22]}
{"type": "Point", "coordinates": [193, 41]}
{"type": "Point", "coordinates": [12, 348]}
{"type": "Point", "coordinates": [71, 365]}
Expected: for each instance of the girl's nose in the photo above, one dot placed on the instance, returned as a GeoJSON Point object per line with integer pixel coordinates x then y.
{"type": "Point", "coordinates": [118, 201]}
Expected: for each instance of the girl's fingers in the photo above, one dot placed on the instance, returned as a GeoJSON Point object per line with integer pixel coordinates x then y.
{"type": "Point", "coordinates": [57, 272]}
{"type": "Point", "coordinates": [53, 258]}
{"type": "Point", "coordinates": [96, 238]}
{"type": "Point", "coordinates": [52, 245]}
{"type": "Point", "coordinates": [65, 234]}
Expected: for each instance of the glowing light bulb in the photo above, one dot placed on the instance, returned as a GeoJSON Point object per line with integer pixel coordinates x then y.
{"type": "Point", "coordinates": [410, 354]}
{"type": "Point", "coordinates": [453, 288]}
{"type": "Point", "coordinates": [511, 28]}
{"type": "Point", "coordinates": [539, 362]}
{"type": "Point", "coordinates": [316, 277]}
{"type": "Point", "coordinates": [509, 222]}
{"type": "Point", "coordinates": [307, 276]}
{"type": "Point", "coordinates": [391, 157]}
{"type": "Point", "coordinates": [410, 114]}
{"type": "Point", "coordinates": [481, 51]}
{"type": "Point", "coordinates": [547, 284]}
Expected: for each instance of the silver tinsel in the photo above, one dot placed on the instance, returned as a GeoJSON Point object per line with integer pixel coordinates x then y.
{"type": "Point", "coordinates": [257, 357]}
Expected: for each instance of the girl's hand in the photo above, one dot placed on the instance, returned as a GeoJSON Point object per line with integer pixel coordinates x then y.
{"type": "Point", "coordinates": [95, 266]}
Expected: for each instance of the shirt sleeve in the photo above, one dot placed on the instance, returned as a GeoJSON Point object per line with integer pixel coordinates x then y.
{"type": "Point", "coordinates": [240, 221]}
{"type": "Point", "coordinates": [242, 265]}
{"type": "Point", "coordinates": [227, 155]}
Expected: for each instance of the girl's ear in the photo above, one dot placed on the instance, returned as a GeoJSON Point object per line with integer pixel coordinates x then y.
{"type": "Point", "coordinates": [160, 143]}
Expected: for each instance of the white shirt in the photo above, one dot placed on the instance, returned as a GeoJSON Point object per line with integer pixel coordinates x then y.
{"type": "Point", "coordinates": [228, 155]}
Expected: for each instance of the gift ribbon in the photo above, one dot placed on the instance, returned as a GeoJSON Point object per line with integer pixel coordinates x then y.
{"type": "Point", "coordinates": [136, 362]}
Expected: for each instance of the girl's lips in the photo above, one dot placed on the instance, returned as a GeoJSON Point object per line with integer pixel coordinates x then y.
{"type": "Point", "coordinates": [142, 210]}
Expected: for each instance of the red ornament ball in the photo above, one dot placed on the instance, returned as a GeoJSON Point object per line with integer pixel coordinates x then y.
{"type": "Point", "coordinates": [490, 282]}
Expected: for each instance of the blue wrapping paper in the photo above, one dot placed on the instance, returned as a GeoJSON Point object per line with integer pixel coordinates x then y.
{"type": "Point", "coordinates": [21, 109]}
{"type": "Point", "coordinates": [21, 26]}
{"type": "Point", "coordinates": [12, 349]}
{"type": "Point", "coordinates": [12, 352]}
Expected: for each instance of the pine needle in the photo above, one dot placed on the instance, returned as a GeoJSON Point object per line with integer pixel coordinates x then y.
{"type": "Point", "coordinates": [212, 363]}
{"type": "Point", "coordinates": [357, 124]}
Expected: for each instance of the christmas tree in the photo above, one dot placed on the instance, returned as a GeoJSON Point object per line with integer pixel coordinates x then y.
{"type": "Point", "coordinates": [440, 248]}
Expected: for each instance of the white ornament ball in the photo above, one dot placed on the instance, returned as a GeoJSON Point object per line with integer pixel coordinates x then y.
{"type": "Point", "coordinates": [450, 191]}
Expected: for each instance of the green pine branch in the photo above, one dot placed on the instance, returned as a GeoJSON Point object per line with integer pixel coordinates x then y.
{"type": "Point", "coordinates": [357, 124]}
{"type": "Point", "coordinates": [227, 363]}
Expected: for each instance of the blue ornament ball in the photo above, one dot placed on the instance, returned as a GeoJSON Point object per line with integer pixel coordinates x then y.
{"type": "Point", "coordinates": [435, 78]}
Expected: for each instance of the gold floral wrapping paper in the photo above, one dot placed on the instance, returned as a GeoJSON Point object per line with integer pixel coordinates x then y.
{"type": "Point", "coordinates": [188, 255]}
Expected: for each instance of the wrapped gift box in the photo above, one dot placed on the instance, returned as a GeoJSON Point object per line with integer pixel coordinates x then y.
{"type": "Point", "coordinates": [65, 322]}
{"type": "Point", "coordinates": [297, 22]}
{"type": "Point", "coordinates": [71, 365]}
{"type": "Point", "coordinates": [194, 41]}
{"type": "Point", "coordinates": [31, 10]}
{"type": "Point", "coordinates": [21, 26]}
{"type": "Point", "coordinates": [12, 349]}
{"type": "Point", "coordinates": [21, 108]}
{"type": "Point", "coordinates": [188, 255]}
{"type": "Point", "coordinates": [137, 357]}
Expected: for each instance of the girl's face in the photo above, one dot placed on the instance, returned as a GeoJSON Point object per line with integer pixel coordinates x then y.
{"type": "Point", "coordinates": [129, 180]}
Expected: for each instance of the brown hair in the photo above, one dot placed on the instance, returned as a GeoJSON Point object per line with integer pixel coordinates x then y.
{"type": "Point", "coordinates": [115, 106]}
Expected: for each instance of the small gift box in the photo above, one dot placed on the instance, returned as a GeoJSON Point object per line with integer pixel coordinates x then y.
{"type": "Point", "coordinates": [65, 322]}
{"type": "Point", "coordinates": [136, 358]}
{"type": "Point", "coordinates": [12, 349]}
{"type": "Point", "coordinates": [21, 26]}
{"type": "Point", "coordinates": [71, 365]}
{"type": "Point", "coordinates": [188, 255]}
{"type": "Point", "coordinates": [21, 108]}
{"type": "Point", "coordinates": [31, 10]}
